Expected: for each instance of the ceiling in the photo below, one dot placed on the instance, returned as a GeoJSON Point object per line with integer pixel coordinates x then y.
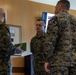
{"type": "Point", "coordinates": [53, 2]}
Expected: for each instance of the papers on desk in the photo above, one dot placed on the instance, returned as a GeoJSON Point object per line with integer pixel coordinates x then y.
{"type": "Point", "coordinates": [24, 53]}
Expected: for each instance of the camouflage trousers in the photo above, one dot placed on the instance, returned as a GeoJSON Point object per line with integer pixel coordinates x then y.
{"type": "Point", "coordinates": [63, 71]}
{"type": "Point", "coordinates": [4, 73]}
{"type": "Point", "coordinates": [40, 72]}
{"type": "Point", "coordinates": [72, 70]}
{"type": "Point", "coordinates": [39, 69]}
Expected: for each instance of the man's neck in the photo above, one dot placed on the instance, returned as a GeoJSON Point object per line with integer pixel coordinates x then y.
{"type": "Point", "coordinates": [40, 33]}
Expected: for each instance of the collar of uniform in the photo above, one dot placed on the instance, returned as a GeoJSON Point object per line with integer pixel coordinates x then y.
{"type": "Point", "coordinates": [41, 35]}
{"type": "Point", "coordinates": [64, 12]}
{"type": "Point", "coordinates": [1, 22]}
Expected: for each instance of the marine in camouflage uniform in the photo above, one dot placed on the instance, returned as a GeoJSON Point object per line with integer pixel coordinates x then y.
{"type": "Point", "coordinates": [37, 49]}
{"type": "Point", "coordinates": [6, 49]}
{"type": "Point", "coordinates": [60, 43]}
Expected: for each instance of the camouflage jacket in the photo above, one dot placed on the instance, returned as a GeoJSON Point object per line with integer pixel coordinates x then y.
{"type": "Point", "coordinates": [6, 49]}
{"type": "Point", "coordinates": [37, 48]}
{"type": "Point", "coordinates": [60, 43]}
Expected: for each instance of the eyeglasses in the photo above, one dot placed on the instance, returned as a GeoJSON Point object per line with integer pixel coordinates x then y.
{"type": "Point", "coordinates": [38, 25]}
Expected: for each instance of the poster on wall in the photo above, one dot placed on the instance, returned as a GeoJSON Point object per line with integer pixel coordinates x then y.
{"type": "Point", "coordinates": [15, 33]}
{"type": "Point", "coordinates": [12, 32]}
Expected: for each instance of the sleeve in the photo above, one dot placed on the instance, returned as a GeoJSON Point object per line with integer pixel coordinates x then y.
{"type": "Point", "coordinates": [6, 40]}
{"type": "Point", "coordinates": [50, 39]}
{"type": "Point", "coordinates": [31, 46]}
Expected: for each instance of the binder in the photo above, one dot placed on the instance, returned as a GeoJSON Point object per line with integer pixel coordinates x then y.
{"type": "Point", "coordinates": [23, 46]}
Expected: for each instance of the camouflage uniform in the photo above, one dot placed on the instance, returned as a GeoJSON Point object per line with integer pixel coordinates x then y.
{"type": "Point", "coordinates": [6, 50]}
{"type": "Point", "coordinates": [37, 50]}
{"type": "Point", "coordinates": [60, 43]}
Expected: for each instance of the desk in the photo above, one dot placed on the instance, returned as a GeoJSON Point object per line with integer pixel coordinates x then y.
{"type": "Point", "coordinates": [28, 69]}
{"type": "Point", "coordinates": [23, 64]}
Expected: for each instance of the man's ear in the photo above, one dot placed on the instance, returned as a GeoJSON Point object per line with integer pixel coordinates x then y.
{"type": "Point", "coordinates": [4, 18]}
{"type": "Point", "coordinates": [44, 26]}
{"type": "Point", "coordinates": [3, 14]}
{"type": "Point", "coordinates": [60, 7]}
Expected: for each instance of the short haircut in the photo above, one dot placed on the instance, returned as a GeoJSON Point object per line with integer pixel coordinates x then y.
{"type": "Point", "coordinates": [40, 19]}
{"type": "Point", "coordinates": [65, 3]}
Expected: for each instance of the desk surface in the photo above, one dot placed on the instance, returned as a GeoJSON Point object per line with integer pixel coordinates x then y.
{"type": "Point", "coordinates": [25, 53]}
